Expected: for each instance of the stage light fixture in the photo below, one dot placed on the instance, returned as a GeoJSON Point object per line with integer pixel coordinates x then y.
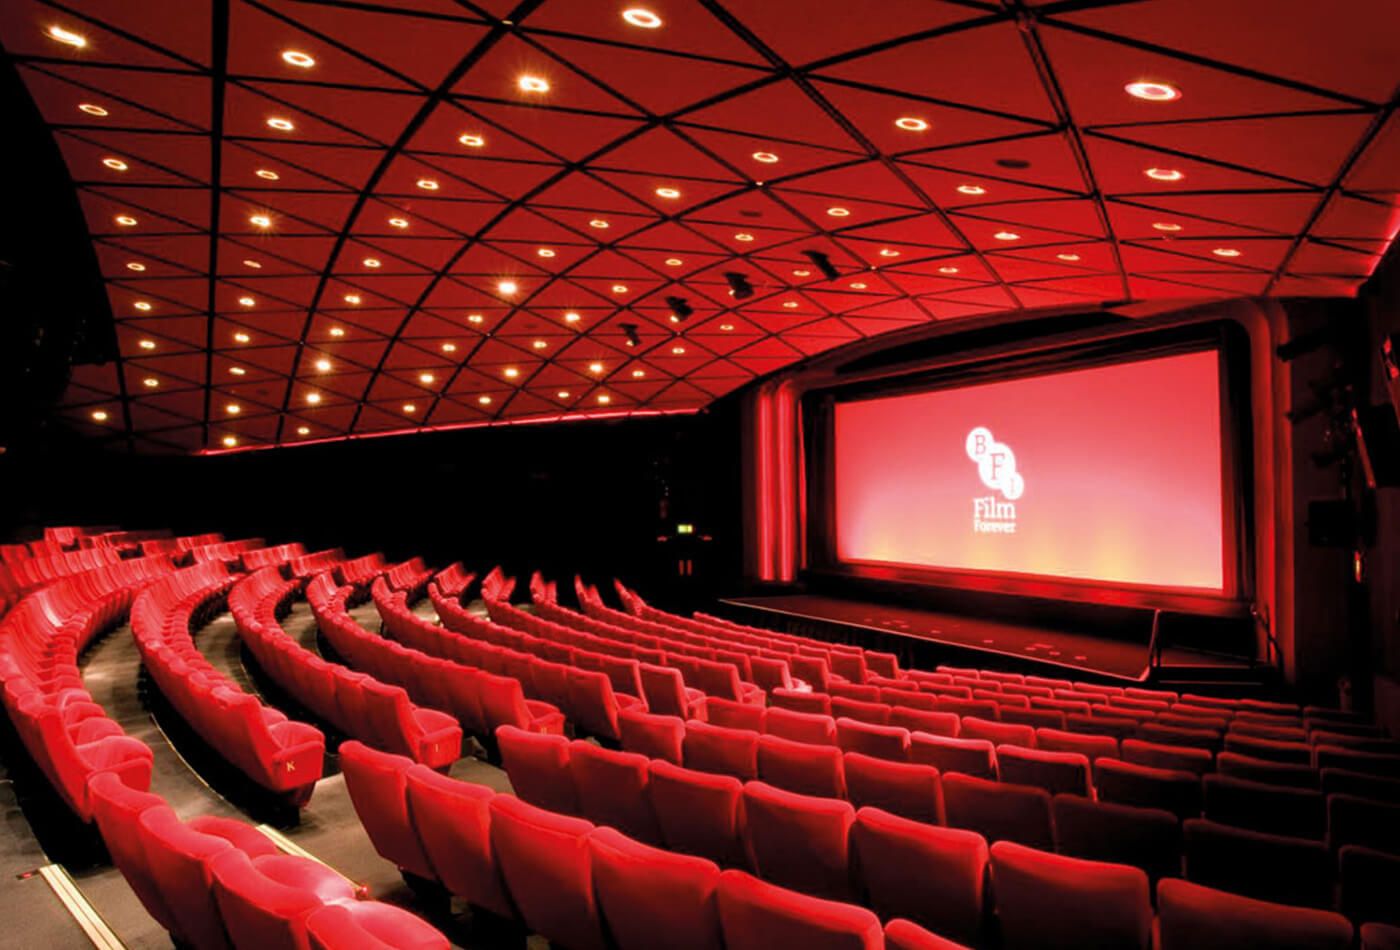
{"type": "Point", "coordinates": [680, 308]}
{"type": "Point", "coordinates": [739, 285]}
{"type": "Point", "coordinates": [630, 331]}
{"type": "Point", "coordinates": [822, 262]}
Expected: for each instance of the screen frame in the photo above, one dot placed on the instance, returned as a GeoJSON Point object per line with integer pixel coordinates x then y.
{"type": "Point", "coordinates": [1227, 338]}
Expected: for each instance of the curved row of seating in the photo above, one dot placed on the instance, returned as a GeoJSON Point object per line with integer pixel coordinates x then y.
{"type": "Point", "coordinates": [584, 886]}
{"type": "Point", "coordinates": [67, 734]}
{"type": "Point", "coordinates": [21, 576]}
{"type": "Point", "coordinates": [280, 755]}
{"type": "Point", "coordinates": [355, 703]}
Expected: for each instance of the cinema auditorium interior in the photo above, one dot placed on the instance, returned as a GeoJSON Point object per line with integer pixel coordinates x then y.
{"type": "Point", "coordinates": [700, 474]}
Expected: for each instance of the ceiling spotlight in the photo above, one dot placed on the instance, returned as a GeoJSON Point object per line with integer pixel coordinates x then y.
{"type": "Point", "coordinates": [1068, 257]}
{"type": "Point", "coordinates": [99, 415]}
{"type": "Point", "coordinates": [802, 272]}
{"type": "Point", "coordinates": [539, 344]}
{"type": "Point", "coordinates": [680, 308]}
{"type": "Point", "coordinates": [233, 408]}
{"type": "Point", "coordinates": [674, 262]}
{"type": "Point", "coordinates": [675, 319]}
{"type": "Point", "coordinates": [599, 223]}
{"type": "Point", "coordinates": [947, 269]}
{"type": "Point", "coordinates": [471, 140]}
{"type": "Point", "coordinates": [838, 212]}
{"type": "Point", "coordinates": [247, 302]}
{"type": "Point", "coordinates": [373, 262]}
{"type": "Point", "coordinates": [323, 366]}
{"type": "Point", "coordinates": [249, 262]}
{"type": "Point", "coordinates": [507, 287]}
{"type": "Point", "coordinates": [67, 37]}
{"type": "Point", "coordinates": [743, 236]}
{"type": "Point", "coordinates": [427, 379]}
{"type": "Point", "coordinates": [142, 305]}
{"type": "Point", "coordinates": [409, 408]}
{"type": "Point", "coordinates": [147, 344]}
{"type": "Point", "coordinates": [1152, 91]}
{"type": "Point", "coordinates": [639, 373]}
{"type": "Point", "coordinates": [511, 372]}
{"type": "Point", "coordinates": [91, 109]}
{"type": "Point", "coordinates": [238, 371]}
{"type": "Point", "coordinates": [1007, 236]}
{"type": "Point", "coordinates": [428, 184]}
{"type": "Point", "coordinates": [790, 304]}
{"type": "Point", "coordinates": [642, 17]}
{"type": "Point", "coordinates": [822, 263]}
{"type": "Point", "coordinates": [629, 330]}
{"type": "Point", "coordinates": [484, 400]}
{"type": "Point", "coordinates": [115, 164]}
{"type": "Point", "coordinates": [619, 288]}
{"type": "Point", "coordinates": [337, 331]}
{"type": "Point", "coordinates": [604, 399]}
{"type": "Point", "coordinates": [572, 317]}
{"type": "Point", "coordinates": [241, 337]}
{"type": "Point", "coordinates": [313, 398]}
{"type": "Point", "coordinates": [475, 318]}
{"type": "Point", "coordinates": [677, 351]}
{"type": "Point", "coordinates": [545, 252]}
{"type": "Point", "coordinates": [280, 124]}
{"type": "Point", "coordinates": [1164, 174]}
{"type": "Point", "coordinates": [767, 158]}
{"type": "Point", "coordinates": [1226, 252]}
{"type": "Point", "coordinates": [353, 300]}
{"type": "Point", "coordinates": [260, 221]}
{"type": "Point", "coordinates": [533, 84]}
{"type": "Point", "coordinates": [911, 123]}
{"type": "Point", "coordinates": [562, 394]}
{"type": "Point", "coordinates": [297, 58]}
{"type": "Point", "coordinates": [858, 285]}
{"type": "Point", "coordinates": [230, 441]}
{"type": "Point", "coordinates": [400, 223]}
{"type": "Point", "coordinates": [668, 193]}
{"type": "Point", "coordinates": [150, 382]}
{"type": "Point", "coordinates": [971, 190]}
{"type": "Point", "coordinates": [1166, 226]}
{"type": "Point", "coordinates": [135, 266]}
{"type": "Point", "coordinates": [726, 327]}
{"type": "Point", "coordinates": [888, 252]}
{"type": "Point", "coordinates": [126, 221]}
{"type": "Point", "coordinates": [595, 368]}
{"type": "Point", "coordinates": [303, 430]}
{"type": "Point", "coordinates": [267, 173]}
{"type": "Point", "coordinates": [739, 285]}
{"type": "Point", "coordinates": [449, 347]}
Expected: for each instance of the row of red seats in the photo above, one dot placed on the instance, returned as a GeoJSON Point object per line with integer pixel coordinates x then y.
{"type": "Point", "coordinates": [356, 703]}
{"type": "Point", "coordinates": [815, 844]}
{"type": "Point", "coordinates": [275, 556]}
{"type": "Point", "coordinates": [179, 545]}
{"type": "Point", "coordinates": [411, 577]}
{"type": "Point", "coordinates": [278, 754]}
{"type": "Point", "coordinates": [20, 577]}
{"type": "Point", "coordinates": [454, 580]}
{"type": "Point", "coordinates": [226, 550]}
{"type": "Point", "coordinates": [586, 887]}
{"type": "Point", "coordinates": [67, 734]}
{"type": "Point", "coordinates": [360, 571]}
{"type": "Point", "coordinates": [309, 565]}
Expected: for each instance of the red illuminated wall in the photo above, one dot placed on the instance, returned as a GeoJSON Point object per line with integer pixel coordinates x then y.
{"type": "Point", "coordinates": [1120, 476]}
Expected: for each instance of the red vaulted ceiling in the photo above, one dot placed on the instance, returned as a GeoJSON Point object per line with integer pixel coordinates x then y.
{"type": "Point", "coordinates": [343, 270]}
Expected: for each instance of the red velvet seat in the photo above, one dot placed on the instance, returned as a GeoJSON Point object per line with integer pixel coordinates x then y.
{"type": "Point", "coordinates": [997, 733]}
{"type": "Point", "coordinates": [656, 737]}
{"type": "Point", "coordinates": [644, 893]}
{"type": "Point", "coordinates": [1052, 901]}
{"type": "Point", "coordinates": [425, 735]}
{"type": "Point", "coordinates": [999, 812]}
{"type": "Point", "coordinates": [801, 767]}
{"type": "Point", "coordinates": [1147, 787]}
{"type": "Point", "coordinates": [1192, 917]}
{"type": "Point", "coordinates": [1370, 881]}
{"type": "Point", "coordinates": [710, 748]}
{"type": "Point", "coordinates": [265, 902]}
{"type": "Point", "coordinates": [377, 783]}
{"type": "Point", "coordinates": [1259, 806]}
{"type": "Point", "coordinates": [884, 742]}
{"type": "Point", "coordinates": [735, 715]}
{"type": "Point", "coordinates": [1093, 747]}
{"type": "Point", "coordinates": [1182, 758]}
{"type": "Point", "coordinates": [1359, 783]}
{"type": "Point", "coordinates": [975, 757]}
{"type": "Point", "coordinates": [905, 789]}
{"type": "Point", "coordinates": [1294, 753]}
{"type": "Point", "coordinates": [722, 680]}
{"type": "Point", "coordinates": [1056, 772]}
{"type": "Point", "coordinates": [370, 925]}
{"type": "Point", "coordinates": [116, 808]}
{"type": "Point", "coordinates": [503, 703]}
{"type": "Point", "coordinates": [1147, 838]}
{"type": "Point", "coordinates": [593, 705]}
{"type": "Point", "coordinates": [798, 701]}
{"type": "Point", "coordinates": [665, 692]}
{"type": "Point", "coordinates": [799, 841]}
{"type": "Point", "coordinates": [1156, 732]}
{"type": "Point", "coordinates": [756, 915]}
{"type": "Point", "coordinates": [813, 728]}
{"type": "Point", "coordinates": [947, 894]}
{"type": "Point", "coordinates": [546, 863]}
{"type": "Point", "coordinates": [1264, 866]}
{"type": "Point", "coordinates": [452, 820]}
{"type": "Point", "coordinates": [612, 789]}
{"type": "Point", "coordinates": [1352, 819]}
{"type": "Point", "coordinates": [1273, 773]}
{"type": "Point", "coordinates": [1371, 763]}
{"type": "Point", "coordinates": [924, 720]}
{"type": "Point", "coordinates": [538, 766]}
{"type": "Point", "coordinates": [868, 711]}
{"type": "Point", "coordinates": [907, 935]}
{"type": "Point", "coordinates": [698, 813]}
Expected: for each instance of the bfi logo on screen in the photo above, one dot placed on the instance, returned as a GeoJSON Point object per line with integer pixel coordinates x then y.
{"type": "Point", "coordinates": [996, 465]}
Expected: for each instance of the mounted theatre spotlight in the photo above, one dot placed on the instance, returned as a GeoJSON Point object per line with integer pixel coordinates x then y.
{"type": "Point", "coordinates": [680, 308]}
{"type": "Point", "coordinates": [630, 330]}
{"type": "Point", "coordinates": [739, 284]}
{"type": "Point", "coordinates": [823, 263]}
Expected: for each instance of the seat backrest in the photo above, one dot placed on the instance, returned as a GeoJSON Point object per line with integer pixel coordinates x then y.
{"type": "Point", "coordinates": [801, 767]}
{"type": "Point", "coordinates": [1058, 740]}
{"type": "Point", "coordinates": [1352, 819]}
{"type": "Point", "coordinates": [876, 713]}
{"type": "Point", "coordinates": [370, 925]}
{"type": "Point", "coordinates": [1052, 901]}
{"type": "Point", "coordinates": [710, 748]}
{"type": "Point", "coordinates": [377, 783]}
{"type": "Point", "coordinates": [926, 720]}
{"type": "Point", "coordinates": [906, 789]}
{"type": "Point", "coordinates": [757, 915]}
{"type": "Point", "coordinates": [884, 742]}
{"type": "Point", "coordinates": [538, 766]}
{"type": "Point", "coordinates": [452, 819]}
{"type": "Point", "coordinates": [1159, 755]}
{"type": "Point", "coordinates": [1263, 807]}
{"type": "Point", "coordinates": [810, 727]}
{"type": "Point", "coordinates": [612, 789]}
{"type": "Point", "coordinates": [975, 757]}
{"type": "Point", "coordinates": [735, 715]}
{"type": "Point", "coordinates": [1192, 917]}
{"type": "Point", "coordinates": [656, 737]}
{"type": "Point", "coordinates": [1148, 838]}
{"type": "Point", "coordinates": [999, 811]}
{"type": "Point", "coordinates": [1056, 772]}
{"type": "Point", "coordinates": [948, 895]}
{"type": "Point", "coordinates": [1146, 787]}
{"type": "Point", "coordinates": [258, 910]}
{"type": "Point", "coordinates": [1370, 881]}
{"type": "Point", "coordinates": [592, 704]}
{"type": "Point", "coordinates": [800, 701]}
{"type": "Point", "coordinates": [998, 733]}
{"type": "Point", "coordinates": [1268, 867]}
{"type": "Point", "coordinates": [644, 892]}
{"type": "Point", "coordinates": [664, 689]}
{"type": "Point", "coordinates": [799, 841]}
{"type": "Point", "coordinates": [697, 812]}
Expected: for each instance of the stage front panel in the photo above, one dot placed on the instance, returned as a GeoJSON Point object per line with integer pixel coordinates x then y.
{"type": "Point", "coordinates": [1110, 474]}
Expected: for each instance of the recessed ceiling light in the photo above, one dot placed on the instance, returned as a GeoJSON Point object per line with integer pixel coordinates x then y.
{"type": "Point", "coordinates": [911, 123]}
{"type": "Point", "coordinates": [802, 272]}
{"type": "Point", "coordinates": [511, 372]}
{"type": "Point", "coordinates": [260, 221]}
{"type": "Point", "coordinates": [303, 430]}
{"type": "Point", "coordinates": [507, 287]}
{"type": "Point", "coordinates": [948, 269]}
{"type": "Point", "coordinates": [604, 399]}
{"type": "Point", "coordinates": [241, 337]}
{"type": "Point", "coordinates": [323, 366]}
{"type": "Point", "coordinates": [572, 317]}
{"type": "Point", "coordinates": [599, 223]}
{"type": "Point", "coordinates": [353, 300]}
{"type": "Point", "coordinates": [126, 221]}
{"type": "Point", "coordinates": [142, 305]}
{"type": "Point", "coordinates": [313, 398]}
{"type": "Point", "coordinates": [373, 262]}
{"type": "Point", "coordinates": [409, 408]}
{"type": "Point", "coordinates": [533, 84]}
{"type": "Point", "coordinates": [115, 164]}
{"type": "Point", "coordinates": [539, 344]}
{"type": "Point", "coordinates": [1152, 91]}
{"type": "Point", "coordinates": [677, 351]}
{"type": "Point", "coordinates": [280, 124]}
{"type": "Point", "coordinates": [484, 400]}
{"type": "Point", "coordinates": [249, 262]}
{"type": "Point", "coordinates": [858, 285]}
{"type": "Point", "coordinates": [267, 173]}
{"type": "Point", "coordinates": [1226, 252]}
{"type": "Point", "coordinates": [767, 158]}
{"type": "Point", "coordinates": [427, 379]}
{"type": "Point", "coordinates": [562, 394]}
{"type": "Point", "coordinates": [971, 190]}
{"type": "Point", "coordinates": [545, 252]}
{"type": "Point", "coordinates": [147, 344]}
{"type": "Point", "coordinates": [67, 37]}
{"type": "Point", "coordinates": [92, 109]}
{"type": "Point", "coordinates": [619, 288]}
{"type": "Point", "coordinates": [1164, 174]}
{"type": "Point", "coordinates": [337, 331]}
{"type": "Point", "coordinates": [674, 262]}
{"type": "Point", "coordinates": [135, 266]}
{"type": "Point", "coordinates": [668, 193]}
{"type": "Point", "coordinates": [150, 382]}
{"type": "Point", "coordinates": [428, 184]}
{"type": "Point", "coordinates": [230, 441]}
{"type": "Point", "coordinates": [595, 367]}
{"type": "Point", "coordinates": [233, 408]}
{"type": "Point", "coordinates": [1068, 257]}
{"type": "Point", "coordinates": [790, 304]}
{"type": "Point", "coordinates": [471, 140]}
{"type": "Point", "coordinates": [726, 327]}
{"type": "Point", "coordinates": [237, 371]}
{"type": "Point", "coordinates": [247, 302]}
{"type": "Point", "coordinates": [888, 252]}
{"type": "Point", "coordinates": [400, 223]}
{"type": "Point", "coordinates": [99, 416]}
{"type": "Point", "coordinates": [642, 17]}
{"type": "Point", "coordinates": [674, 319]}
{"type": "Point", "coordinates": [1166, 226]}
{"type": "Point", "coordinates": [743, 236]}
{"type": "Point", "coordinates": [1007, 236]}
{"type": "Point", "coordinates": [475, 318]}
{"type": "Point", "coordinates": [839, 212]}
{"type": "Point", "coordinates": [297, 58]}
{"type": "Point", "coordinates": [638, 373]}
